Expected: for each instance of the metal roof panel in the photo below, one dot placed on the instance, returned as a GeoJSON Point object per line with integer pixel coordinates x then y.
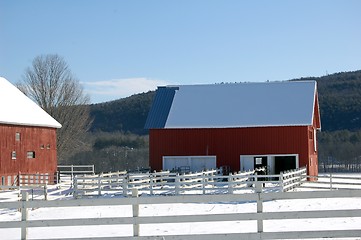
{"type": "Point", "coordinates": [161, 105]}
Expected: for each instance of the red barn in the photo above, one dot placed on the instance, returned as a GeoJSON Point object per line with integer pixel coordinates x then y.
{"type": "Point", "coordinates": [241, 125]}
{"type": "Point", "coordinates": [27, 136]}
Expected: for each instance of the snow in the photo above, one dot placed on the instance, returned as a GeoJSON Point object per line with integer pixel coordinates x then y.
{"type": "Point", "coordinates": [243, 105]}
{"type": "Point", "coordinates": [179, 209]}
{"type": "Point", "coordinates": [18, 109]}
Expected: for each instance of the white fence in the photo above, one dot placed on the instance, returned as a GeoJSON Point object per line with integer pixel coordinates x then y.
{"type": "Point", "coordinates": [333, 182]}
{"type": "Point", "coordinates": [166, 183]}
{"type": "Point", "coordinates": [137, 220]}
{"type": "Point", "coordinates": [76, 169]}
{"type": "Point", "coordinates": [69, 171]}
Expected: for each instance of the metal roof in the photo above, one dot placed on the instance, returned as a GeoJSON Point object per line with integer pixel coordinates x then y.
{"type": "Point", "coordinates": [161, 105]}
{"type": "Point", "coordinates": [235, 105]}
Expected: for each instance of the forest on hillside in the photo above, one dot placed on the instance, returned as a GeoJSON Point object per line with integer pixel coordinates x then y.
{"type": "Point", "coordinates": [117, 139]}
{"type": "Point", "coordinates": [340, 109]}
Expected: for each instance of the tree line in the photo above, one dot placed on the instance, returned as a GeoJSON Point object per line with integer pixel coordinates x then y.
{"type": "Point", "coordinates": [340, 151]}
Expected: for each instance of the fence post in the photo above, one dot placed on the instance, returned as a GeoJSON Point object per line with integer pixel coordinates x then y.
{"type": "Point", "coordinates": [125, 185]}
{"type": "Point", "coordinates": [330, 181]}
{"type": "Point", "coordinates": [177, 184]}
{"type": "Point", "coordinates": [299, 178]}
{"type": "Point", "coordinates": [135, 207]}
{"type": "Point", "coordinates": [259, 207]}
{"type": "Point", "coordinates": [100, 184]}
{"type": "Point", "coordinates": [46, 192]}
{"type": "Point", "coordinates": [75, 189]}
{"type": "Point", "coordinates": [204, 183]}
{"type": "Point", "coordinates": [19, 179]}
{"type": "Point", "coordinates": [24, 214]}
{"type": "Point", "coordinates": [282, 184]}
{"type": "Point", "coordinates": [57, 177]}
{"type": "Point", "coordinates": [72, 173]}
{"type": "Point", "coordinates": [19, 185]}
{"type": "Point", "coordinates": [151, 183]}
{"type": "Point", "coordinates": [230, 183]}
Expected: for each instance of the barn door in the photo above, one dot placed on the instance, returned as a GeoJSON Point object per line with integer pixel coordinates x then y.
{"type": "Point", "coordinates": [173, 163]}
{"type": "Point", "coordinates": [203, 163]}
{"type": "Point", "coordinates": [247, 163]}
{"type": "Point", "coordinates": [189, 163]}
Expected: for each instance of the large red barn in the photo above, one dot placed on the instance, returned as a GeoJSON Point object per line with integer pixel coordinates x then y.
{"type": "Point", "coordinates": [240, 125]}
{"type": "Point", "coordinates": [27, 136]}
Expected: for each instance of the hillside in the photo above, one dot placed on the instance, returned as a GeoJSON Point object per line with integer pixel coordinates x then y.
{"type": "Point", "coordinates": [123, 115]}
{"type": "Point", "coordinates": [340, 100]}
{"type": "Point", "coordinates": [339, 96]}
{"type": "Point", "coordinates": [117, 139]}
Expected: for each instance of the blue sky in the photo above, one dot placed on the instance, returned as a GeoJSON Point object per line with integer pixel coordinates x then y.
{"type": "Point", "coordinates": [117, 48]}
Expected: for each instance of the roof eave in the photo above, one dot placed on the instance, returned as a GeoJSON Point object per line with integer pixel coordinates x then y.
{"type": "Point", "coordinates": [245, 126]}
{"type": "Point", "coordinates": [32, 124]}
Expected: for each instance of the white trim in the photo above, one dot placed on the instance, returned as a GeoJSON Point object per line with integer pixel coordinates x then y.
{"type": "Point", "coordinates": [314, 140]}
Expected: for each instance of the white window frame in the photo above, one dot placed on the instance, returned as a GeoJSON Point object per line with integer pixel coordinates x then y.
{"type": "Point", "coordinates": [13, 155]}
{"type": "Point", "coordinates": [17, 136]}
{"type": "Point", "coordinates": [30, 154]}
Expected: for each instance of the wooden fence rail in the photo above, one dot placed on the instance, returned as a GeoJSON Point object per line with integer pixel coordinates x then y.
{"type": "Point", "coordinates": [333, 182]}
{"type": "Point", "coordinates": [137, 220]}
{"type": "Point", "coordinates": [167, 183]}
{"type": "Point", "coordinates": [76, 169]}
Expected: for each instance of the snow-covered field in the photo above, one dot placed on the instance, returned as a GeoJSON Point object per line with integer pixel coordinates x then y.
{"type": "Point", "coordinates": [178, 209]}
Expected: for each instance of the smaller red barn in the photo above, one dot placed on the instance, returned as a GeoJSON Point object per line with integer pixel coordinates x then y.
{"type": "Point", "coordinates": [27, 136]}
{"type": "Point", "coordinates": [241, 125]}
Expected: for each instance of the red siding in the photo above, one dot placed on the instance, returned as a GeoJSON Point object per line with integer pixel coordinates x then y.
{"type": "Point", "coordinates": [41, 140]}
{"type": "Point", "coordinates": [229, 143]}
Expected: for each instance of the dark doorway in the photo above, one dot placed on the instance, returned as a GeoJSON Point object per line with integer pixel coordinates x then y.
{"type": "Point", "coordinates": [284, 163]}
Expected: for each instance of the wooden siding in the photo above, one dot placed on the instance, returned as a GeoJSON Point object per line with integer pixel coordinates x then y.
{"type": "Point", "coordinates": [229, 143]}
{"type": "Point", "coordinates": [40, 140]}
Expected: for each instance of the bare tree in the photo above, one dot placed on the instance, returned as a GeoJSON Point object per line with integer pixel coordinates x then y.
{"type": "Point", "coordinates": [51, 84]}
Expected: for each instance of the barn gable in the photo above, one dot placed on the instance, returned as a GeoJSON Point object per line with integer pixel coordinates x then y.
{"type": "Point", "coordinates": [18, 109]}
{"type": "Point", "coordinates": [27, 139]}
{"type": "Point", "coordinates": [236, 105]}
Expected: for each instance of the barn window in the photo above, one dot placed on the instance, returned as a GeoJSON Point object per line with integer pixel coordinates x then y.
{"type": "Point", "coordinates": [17, 136]}
{"type": "Point", "coordinates": [13, 155]}
{"type": "Point", "coordinates": [30, 154]}
{"type": "Point", "coordinates": [48, 146]}
{"type": "Point", "coordinates": [42, 146]}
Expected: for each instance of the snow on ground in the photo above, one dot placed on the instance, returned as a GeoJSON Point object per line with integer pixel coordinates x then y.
{"type": "Point", "coordinates": [177, 209]}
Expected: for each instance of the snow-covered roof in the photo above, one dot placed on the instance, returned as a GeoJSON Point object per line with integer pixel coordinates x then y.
{"type": "Point", "coordinates": [17, 109]}
{"type": "Point", "coordinates": [241, 105]}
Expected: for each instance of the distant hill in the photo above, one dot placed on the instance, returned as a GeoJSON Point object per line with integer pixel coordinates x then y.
{"type": "Point", "coordinates": [339, 96]}
{"type": "Point", "coordinates": [123, 115]}
{"type": "Point", "coordinates": [340, 100]}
